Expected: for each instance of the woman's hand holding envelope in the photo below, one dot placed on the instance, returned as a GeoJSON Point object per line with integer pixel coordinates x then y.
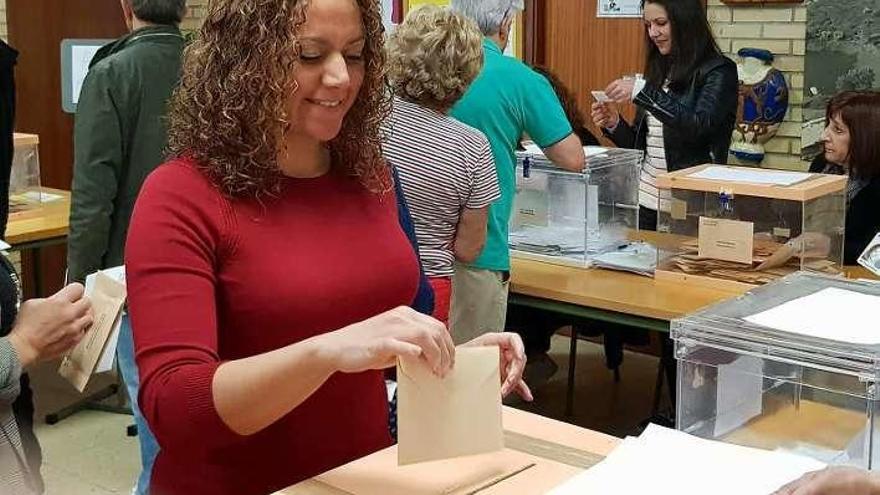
{"type": "Point", "coordinates": [513, 361]}
{"type": "Point", "coordinates": [47, 328]}
{"type": "Point", "coordinates": [375, 343]}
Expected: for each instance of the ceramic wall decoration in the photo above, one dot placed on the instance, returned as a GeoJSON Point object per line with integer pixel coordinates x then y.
{"type": "Point", "coordinates": [763, 102]}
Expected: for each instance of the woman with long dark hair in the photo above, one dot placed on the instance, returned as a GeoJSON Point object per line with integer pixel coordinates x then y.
{"type": "Point", "coordinates": [852, 146]}
{"type": "Point", "coordinates": [686, 101]}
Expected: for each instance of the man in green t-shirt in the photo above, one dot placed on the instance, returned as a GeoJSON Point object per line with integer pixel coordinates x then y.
{"type": "Point", "coordinates": [506, 101]}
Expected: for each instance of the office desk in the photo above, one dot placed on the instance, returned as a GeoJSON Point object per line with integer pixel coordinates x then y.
{"type": "Point", "coordinates": [569, 448]}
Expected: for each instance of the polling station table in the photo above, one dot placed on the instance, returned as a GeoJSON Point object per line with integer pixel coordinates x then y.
{"type": "Point", "coordinates": [615, 297]}
{"type": "Point", "coordinates": [559, 451]}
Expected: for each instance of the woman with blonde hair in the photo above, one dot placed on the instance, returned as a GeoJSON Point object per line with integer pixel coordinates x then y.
{"type": "Point", "coordinates": [446, 167]}
{"type": "Point", "coordinates": [268, 275]}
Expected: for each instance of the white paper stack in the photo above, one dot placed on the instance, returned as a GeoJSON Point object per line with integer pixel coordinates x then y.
{"type": "Point", "coordinates": [665, 461]}
{"type": "Point", "coordinates": [108, 356]}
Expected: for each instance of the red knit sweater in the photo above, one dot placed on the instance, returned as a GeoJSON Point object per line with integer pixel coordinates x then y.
{"type": "Point", "coordinates": [211, 280]}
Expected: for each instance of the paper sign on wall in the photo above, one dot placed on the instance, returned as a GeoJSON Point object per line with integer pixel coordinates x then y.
{"type": "Point", "coordinates": [619, 8]}
{"type": "Point", "coordinates": [727, 240]}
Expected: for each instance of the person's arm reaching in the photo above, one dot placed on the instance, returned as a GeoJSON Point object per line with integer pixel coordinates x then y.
{"type": "Point", "coordinates": [567, 153]}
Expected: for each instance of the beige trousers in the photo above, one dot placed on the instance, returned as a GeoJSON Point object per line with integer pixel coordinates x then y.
{"type": "Point", "coordinates": [479, 303]}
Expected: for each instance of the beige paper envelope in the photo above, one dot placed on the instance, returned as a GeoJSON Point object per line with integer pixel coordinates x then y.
{"type": "Point", "coordinates": [107, 300]}
{"type": "Point", "coordinates": [379, 474]}
{"type": "Point", "coordinates": [728, 240]}
{"type": "Point", "coordinates": [450, 417]}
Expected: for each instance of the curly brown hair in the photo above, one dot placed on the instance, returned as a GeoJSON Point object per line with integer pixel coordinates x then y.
{"type": "Point", "coordinates": [228, 113]}
{"type": "Point", "coordinates": [433, 56]}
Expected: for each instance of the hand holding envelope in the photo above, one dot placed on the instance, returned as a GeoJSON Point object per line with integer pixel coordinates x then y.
{"type": "Point", "coordinates": [460, 414]}
{"type": "Point", "coordinates": [512, 361]}
{"type": "Point", "coordinates": [440, 418]}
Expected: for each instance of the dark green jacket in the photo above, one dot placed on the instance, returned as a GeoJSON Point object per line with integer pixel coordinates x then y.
{"type": "Point", "coordinates": [119, 138]}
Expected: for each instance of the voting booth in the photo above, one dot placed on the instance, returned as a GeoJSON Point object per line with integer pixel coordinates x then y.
{"type": "Point", "coordinates": [793, 365]}
{"type": "Point", "coordinates": [737, 227]}
{"type": "Point", "coordinates": [569, 218]}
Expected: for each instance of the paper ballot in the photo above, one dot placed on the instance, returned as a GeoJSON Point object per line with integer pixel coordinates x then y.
{"type": "Point", "coordinates": [105, 363]}
{"type": "Point", "coordinates": [751, 175]}
{"type": "Point", "coordinates": [670, 461]}
{"type": "Point", "coordinates": [831, 313]}
{"type": "Point", "coordinates": [458, 415]}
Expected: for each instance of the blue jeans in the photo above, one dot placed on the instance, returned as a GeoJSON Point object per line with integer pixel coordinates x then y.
{"type": "Point", "coordinates": [129, 371]}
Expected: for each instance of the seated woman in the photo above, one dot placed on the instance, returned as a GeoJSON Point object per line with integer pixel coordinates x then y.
{"type": "Point", "coordinates": [446, 167]}
{"type": "Point", "coordinates": [268, 275]}
{"type": "Point", "coordinates": [852, 146]}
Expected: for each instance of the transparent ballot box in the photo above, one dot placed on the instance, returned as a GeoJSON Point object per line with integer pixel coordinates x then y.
{"type": "Point", "coordinates": [568, 217]}
{"type": "Point", "coordinates": [793, 365]}
{"type": "Point", "coordinates": [24, 181]}
{"type": "Point", "coordinates": [736, 227]}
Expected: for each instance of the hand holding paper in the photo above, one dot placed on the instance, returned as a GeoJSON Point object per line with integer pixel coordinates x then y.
{"type": "Point", "coordinates": [79, 364]}
{"type": "Point", "coordinates": [47, 328]}
{"type": "Point", "coordinates": [458, 415]}
{"type": "Point", "coordinates": [513, 361]}
{"type": "Point", "coordinates": [376, 342]}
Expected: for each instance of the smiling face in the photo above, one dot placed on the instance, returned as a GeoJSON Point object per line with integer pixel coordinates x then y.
{"type": "Point", "coordinates": [659, 28]}
{"type": "Point", "coordinates": [330, 71]}
{"type": "Point", "coordinates": [836, 138]}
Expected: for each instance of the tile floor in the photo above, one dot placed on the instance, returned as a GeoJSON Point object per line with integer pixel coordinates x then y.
{"type": "Point", "coordinates": [89, 454]}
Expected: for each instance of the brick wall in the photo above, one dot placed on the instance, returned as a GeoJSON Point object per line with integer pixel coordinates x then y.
{"type": "Point", "coordinates": [197, 10]}
{"type": "Point", "coordinates": [782, 30]}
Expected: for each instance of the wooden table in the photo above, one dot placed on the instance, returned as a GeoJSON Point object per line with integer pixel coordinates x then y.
{"type": "Point", "coordinates": [41, 226]}
{"type": "Point", "coordinates": [44, 226]}
{"type": "Point", "coordinates": [614, 297]}
{"type": "Point", "coordinates": [606, 295]}
{"type": "Point", "coordinates": [561, 443]}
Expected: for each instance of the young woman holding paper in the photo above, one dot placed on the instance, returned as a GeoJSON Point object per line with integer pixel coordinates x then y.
{"type": "Point", "coordinates": [268, 275]}
{"type": "Point", "coordinates": [852, 146]}
{"type": "Point", "coordinates": [686, 102]}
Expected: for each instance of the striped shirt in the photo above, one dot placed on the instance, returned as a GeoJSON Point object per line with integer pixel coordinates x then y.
{"type": "Point", "coordinates": [444, 166]}
{"type": "Point", "coordinates": [654, 165]}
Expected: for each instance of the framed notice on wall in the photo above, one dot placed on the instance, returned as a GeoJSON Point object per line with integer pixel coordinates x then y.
{"type": "Point", "coordinates": [619, 8]}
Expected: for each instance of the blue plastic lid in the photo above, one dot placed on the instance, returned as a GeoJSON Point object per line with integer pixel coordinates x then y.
{"type": "Point", "coordinates": [758, 53]}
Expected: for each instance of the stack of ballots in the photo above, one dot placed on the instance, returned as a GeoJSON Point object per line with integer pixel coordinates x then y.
{"type": "Point", "coordinates": [667, 461]}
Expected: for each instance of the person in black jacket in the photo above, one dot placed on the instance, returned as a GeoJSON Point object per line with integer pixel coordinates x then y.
{"type": "Point", "coordinates": [852, 146]}
{"type": "Point", "coordinates": [686, 102]}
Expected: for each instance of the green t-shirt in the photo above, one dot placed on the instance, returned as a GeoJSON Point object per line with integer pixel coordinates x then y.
{"type": "Point", "coordinates": [507, 100]}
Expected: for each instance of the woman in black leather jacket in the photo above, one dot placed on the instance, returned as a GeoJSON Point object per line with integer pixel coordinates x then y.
{"type": "Point", "coordinates": [689, 90]}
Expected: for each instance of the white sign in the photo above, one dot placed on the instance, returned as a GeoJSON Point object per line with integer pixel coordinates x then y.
{"type": "Point", "coordinates": [619, 8]}
{"type": "Point", "coordinates": [79, 66]}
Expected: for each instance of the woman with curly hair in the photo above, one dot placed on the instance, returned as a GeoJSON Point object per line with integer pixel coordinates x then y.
{"type": "Point", "coordinates": [446, 167]}
{"type": "Point", "coordinates": [268, 275]}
